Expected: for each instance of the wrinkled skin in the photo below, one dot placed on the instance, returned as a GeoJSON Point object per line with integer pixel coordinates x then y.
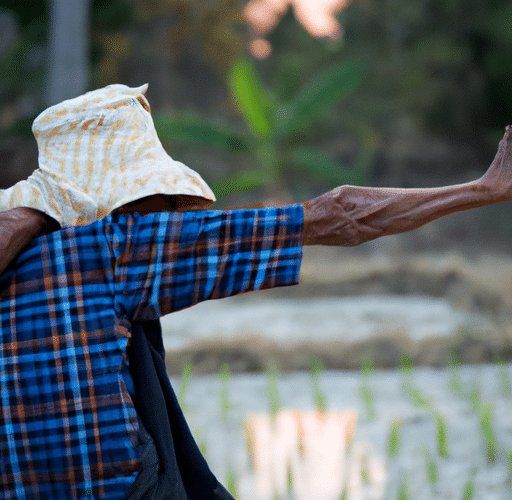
{"type": "Point", "coordinates": [345, 216]}
{"type": "Point", "coordinates": [351, 215]}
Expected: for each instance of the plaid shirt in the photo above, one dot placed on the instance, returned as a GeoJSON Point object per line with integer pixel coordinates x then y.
{"type": "Point", "coordinates": [68, 427]}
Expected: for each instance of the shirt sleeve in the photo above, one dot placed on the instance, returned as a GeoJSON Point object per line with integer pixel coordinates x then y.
{"type": "Point", "coordinates": [171, 261]}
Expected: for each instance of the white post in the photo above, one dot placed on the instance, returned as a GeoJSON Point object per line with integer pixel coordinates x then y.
{"type": "Point", "coordinates": [68, 50]}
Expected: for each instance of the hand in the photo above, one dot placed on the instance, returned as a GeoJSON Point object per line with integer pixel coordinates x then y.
{"type": "Point", "coordinates": [498, 178]}
{"type": "Point", "coordinates": [350, 215]}
{"type": "Point", "coordinates": [18, 227]}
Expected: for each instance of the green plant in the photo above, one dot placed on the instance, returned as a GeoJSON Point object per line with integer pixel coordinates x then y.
{"type": "Point", "coordinates": [455, 383]}
{"type": "Point", "coordinates": [225, 404]}
{"type": "Point", "coordinates": [273, 389]}
{"type": "Point", "coordinates": [414, 393]}
{"type": "Point", "coordinates": [403, 489]}
{"type": "Point", "coordinates": [441, 434]}
{"type": "Point", "coordinates": [232, 483]}
{"type": "Point", "coordinates": [431, 467]}
{"type": "Point", "coordinates": [365, 391]}
{"type": "Point", "coordinates": [185, 380]}
{"type": "Point", "coordinates": [394, 437]}
{"type": "Point", "coordinates": [319, 396]}
{"type": "Point", "coordinates": [469, 488]}
{"type": "Point", "coordinates": [276, 132]}
{"type": "Point", "coordinates": [491, 442]}
{"type": "Point", "coordinates": [505, 382]}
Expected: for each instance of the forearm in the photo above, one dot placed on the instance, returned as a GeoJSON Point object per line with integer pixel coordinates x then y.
{"type": "Point", "coordinates": [350, 215]}
{"type": "Point", "coordinates": [18, 227]}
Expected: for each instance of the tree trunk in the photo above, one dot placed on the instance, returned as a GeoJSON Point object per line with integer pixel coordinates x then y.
{"type": "Point", "coordinates": [68, 50]}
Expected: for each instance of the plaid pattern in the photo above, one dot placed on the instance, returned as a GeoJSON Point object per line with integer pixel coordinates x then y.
{"type": "Point", "coordinates": [68, 428]}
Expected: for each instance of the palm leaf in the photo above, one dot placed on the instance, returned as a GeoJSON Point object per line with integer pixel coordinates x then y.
{"type": "Point", "coordinates": [246, 181]}
{"type": "Point", "coordinates": [327, 167]}
{"type": "Point", "coordinates": [199, 131]}
{"type": "Point", "coordinates": [319, 95]}
{"type": "Point", "coordinates": [251, 98]}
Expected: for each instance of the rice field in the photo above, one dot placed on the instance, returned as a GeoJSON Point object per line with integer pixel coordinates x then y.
{"type": "Point", "coordinates": [419, 433]}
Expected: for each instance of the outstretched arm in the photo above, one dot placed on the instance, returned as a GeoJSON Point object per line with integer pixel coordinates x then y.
{"type": "Point", "coordinates": [350, 215]}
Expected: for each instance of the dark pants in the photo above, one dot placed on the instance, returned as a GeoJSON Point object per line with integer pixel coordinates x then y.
{"type": "Point", "coordinates": [172, 465]}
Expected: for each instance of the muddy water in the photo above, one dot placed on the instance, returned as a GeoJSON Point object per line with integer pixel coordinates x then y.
{"type": "Point", "coordinates": [467, 455]}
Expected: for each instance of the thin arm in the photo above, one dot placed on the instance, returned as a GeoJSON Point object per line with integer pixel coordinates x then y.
{"type": "Point", "coordinates": [350, 215]}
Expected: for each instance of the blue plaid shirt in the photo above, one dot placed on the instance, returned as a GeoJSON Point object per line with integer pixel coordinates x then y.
{"type": "Point", "coordinates": [68, 427]}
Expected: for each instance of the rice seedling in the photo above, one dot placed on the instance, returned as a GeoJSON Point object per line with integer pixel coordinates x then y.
{"type": "Point", "coordinates": [319, 396]}
{"type": "Point", "coordinates": [441, 434]}
{"type": "Point", "coordinates": [474, 396]}
{"type": "Point", "coordinates": [485, 415]}
{"type": "Point", "coordinates": [455, 383]}
{"type": "Point", "coordinates": [419, 400]}
{"type": "Point", "coordinates": [273, 389]}
{"type": "Point", "coordinates": [394, 437]}
{"type": "Point", "coordinates": [491, 442]}
{"type": "Point", "coordinates": [509, 467]}
{"type": "Point", "coordinates": [225, 404]}
{"type": "Point", "coordinates": [504, 380]}
{"type": "Point", "coordinates": [431, 468]}
{"type": "Point", "coordinates": [414, 393]}
{"type": "Point", "coordinates": [185, 380]}
{"type": "Point", "coordinates": [403, 489]}
{"type": "Point", "coordinates": [365, 391]}
{"type": "Point", "coordinates": [232, 483]}
{"type": "Point", "coordinates": [469, 488]}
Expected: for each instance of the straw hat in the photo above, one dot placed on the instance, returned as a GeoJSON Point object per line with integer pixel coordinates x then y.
{"type": "Point", "coordinates": [98, 152]}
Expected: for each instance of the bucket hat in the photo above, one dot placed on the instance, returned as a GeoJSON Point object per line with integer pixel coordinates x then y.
{"type": "Point", "coordinates": [97, 152]}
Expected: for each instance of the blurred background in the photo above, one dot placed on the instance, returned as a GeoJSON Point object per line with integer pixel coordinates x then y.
{"type": "Point", "coordinates": [279, 101]}
{"type": "Point", "coordinates": [274, 101]}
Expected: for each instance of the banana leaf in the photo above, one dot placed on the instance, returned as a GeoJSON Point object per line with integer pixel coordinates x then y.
{"type": "Point", "coordinates": [327, 167]}
{"type": "Point", "coordinates": [251, 98]}
{"type": "Point", "coordinates": [246, 181]}
{"type": "Point", "coordinates": [319, 95]}
{"type": "Point", "coordinates": [199, 131]}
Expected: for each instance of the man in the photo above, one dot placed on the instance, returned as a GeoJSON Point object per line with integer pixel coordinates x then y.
{"type": "Point", "coordinates": [85, 408]}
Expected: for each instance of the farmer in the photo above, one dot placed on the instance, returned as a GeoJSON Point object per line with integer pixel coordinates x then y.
{"type": "Point", "coordinates": [86, 409]}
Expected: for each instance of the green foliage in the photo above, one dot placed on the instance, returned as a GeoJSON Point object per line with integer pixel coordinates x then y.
{"type": "Point", "coordinates": [321, 94]}
{"type": "Point", "coordinates": [365, 391]}
{"type": "Point", "coordinates": [195, 130]}
{"type": "Point", "coordinates": [232, 483]}
{"type": "Point", "coordinates": [455, 382]}
{"type": "Point", "coordinates": [441, 434]}
{"type": "Point", "coordinates": [414, 393]}
{"type": "Point", "coordinates": [319, 395]}
{"type": "Point", "coordinates": [485, 417]}
{"type": "Point", "coordinates": [251, 98]}
{"type": "Point", "coordinates": [275, 139]}
{"type": "Point", "coordinates": [419, 400]}
{"type": "Point", "coordinates": [403, 489]}
{"type": "Point", "coordinates": [394, 437]}
{"type": "Point", "coordinates": [185, 380]}
{"type": "Point", "coordinates": [469, 488]}
{"type": "Point", "coordinates": [273, 389]}
{"type": "Point", "coordinates": [491, 442]}
{"type": "Point", "coordinates": [225, 404]}
{"type": "Point", "coordinates": [504, 380]}
{"type": "Point", "coordinates": [431, 467]}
